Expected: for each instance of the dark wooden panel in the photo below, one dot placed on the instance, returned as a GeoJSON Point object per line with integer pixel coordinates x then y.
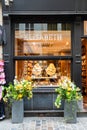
{"type": "Point", "coordinates": [42, 5]}
{"type": "Point", "coordinates": [43, 101]}
{"type": "Point", "coordinates": [28, 104]}
{"type": "Point", "coordinates": [48, 6]}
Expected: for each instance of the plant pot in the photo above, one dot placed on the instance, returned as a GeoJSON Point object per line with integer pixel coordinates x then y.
{"type": "Point", "coordinates": [70, 111]}
{"type": "Point", "coordinates": [7, 110]}
{"type": "Point", "coordinates": [17, 111]}
{"type": "Point", "coordinates": [80, 105]}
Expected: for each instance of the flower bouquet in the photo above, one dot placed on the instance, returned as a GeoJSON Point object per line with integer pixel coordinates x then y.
{"type": "Point", "coordinates": [14, 93]}
{"type": "Point", "coordinates": [67, 90]}
{"type": "Point", "coordinates": [18, 90]}
{"type": "Point", "coordinates": [70, 93]}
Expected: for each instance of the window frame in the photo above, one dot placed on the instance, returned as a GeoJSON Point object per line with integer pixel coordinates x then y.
{"type": "Point", "coordinates": [42, 57]}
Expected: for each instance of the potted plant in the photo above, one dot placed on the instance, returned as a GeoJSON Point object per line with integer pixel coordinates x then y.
{"type": "Point", "coordinates": [15, 92]}
{"type": "Point", "coordinates": [70, 93]}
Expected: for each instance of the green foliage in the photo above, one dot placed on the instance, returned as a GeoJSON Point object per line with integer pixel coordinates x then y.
{"type": "Point", "coordinates": [67, 90]}
{"type": "Point", "coordinates": [18, 90]}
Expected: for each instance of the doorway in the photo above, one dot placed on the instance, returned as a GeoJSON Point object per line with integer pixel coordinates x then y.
{"type": "Point", "coordinates": [84, 71]}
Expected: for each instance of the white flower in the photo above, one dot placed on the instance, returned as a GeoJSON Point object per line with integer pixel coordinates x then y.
{"type": "Point", "coordinates": [72, 85]}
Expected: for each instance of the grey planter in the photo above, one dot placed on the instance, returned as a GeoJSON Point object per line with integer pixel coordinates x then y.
{"type": "Point", "coordinates": [80, 105]}
{"type": "Point", "coordinates": [17, 111]}
{"type": "Point", "coordinates": [8, 110]}
{"type": "Point", "coordinates": [70, 111]}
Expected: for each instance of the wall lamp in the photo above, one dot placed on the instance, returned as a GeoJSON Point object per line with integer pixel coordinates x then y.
{"type": "Point", "coordinates": [7, 2]}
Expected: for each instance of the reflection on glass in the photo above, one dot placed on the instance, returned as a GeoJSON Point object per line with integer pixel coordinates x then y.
{"type": "Point", "coordinates": [43, 39]}
{"type": "Point", "coordinates": [85, 27]}
{"type": "Point", "coordinates": [43, 73]}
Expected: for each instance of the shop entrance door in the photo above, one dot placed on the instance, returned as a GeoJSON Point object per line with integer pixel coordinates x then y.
{"type": "Point", "coordinates": [84, 71]}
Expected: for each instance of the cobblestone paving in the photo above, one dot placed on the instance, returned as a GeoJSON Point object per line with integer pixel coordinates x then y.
{"type": "Point", "coordinates": [44, 123]}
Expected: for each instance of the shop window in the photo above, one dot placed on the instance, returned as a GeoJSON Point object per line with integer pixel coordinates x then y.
{"type": "Point", "coordinates": [43, 73]}
{"type": "Point", "coordinates": [45, 50]}
{"type": "Point", "coordinates": [43, 39]}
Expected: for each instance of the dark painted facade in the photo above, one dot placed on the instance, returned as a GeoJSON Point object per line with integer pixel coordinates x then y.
{"type": "Point", "coordinates": [73, 11]}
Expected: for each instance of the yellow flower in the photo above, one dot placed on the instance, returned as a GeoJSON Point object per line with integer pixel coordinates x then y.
{"type": "Point", "coordinates": [29, 87]}
{"type": "Point", "coordinates": [20, 96]}
{"type": "Point", "coordinates": [18, 87]}
{"type": "Point", "coordinates": [68, 93]}
{"type": "Point", "coordinates": [69, 89]}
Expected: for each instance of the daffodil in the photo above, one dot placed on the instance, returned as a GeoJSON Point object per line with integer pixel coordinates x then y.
{"type": "Point", "coordinates": [18, 87]}
{"type": "Point", "coordinates": [20, 96]}
{"type": "Point", "coordinates": [69, 89]}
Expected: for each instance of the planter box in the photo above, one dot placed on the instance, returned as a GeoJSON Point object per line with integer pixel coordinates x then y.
{"type": "Point", "coordinates": [70, 111]}
{"type": "Point", "coordinates": [80, 105]}
{"type": "Point", "coordinates": [17, 111]}
{"type": "Point", "coordinates": [8, 110]}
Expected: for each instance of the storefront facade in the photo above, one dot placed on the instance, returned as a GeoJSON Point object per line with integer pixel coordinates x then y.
{"type": "Point", "coordinates": [44, 42]}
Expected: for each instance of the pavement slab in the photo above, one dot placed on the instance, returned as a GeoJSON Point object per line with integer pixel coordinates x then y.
{"type": "Point", "coordinates": [44, 123]}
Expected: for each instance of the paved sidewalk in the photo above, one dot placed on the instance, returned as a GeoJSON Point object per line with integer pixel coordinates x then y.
{"type": "Point", "coordinates": [44, 123]}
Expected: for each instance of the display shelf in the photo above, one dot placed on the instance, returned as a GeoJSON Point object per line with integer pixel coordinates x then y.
{"type": "Point", "coordinates": [44, 78]}
{"type": "Point", "coordinates": [45, 81]}
{"type": "Point", "coordinates": [50, 85]}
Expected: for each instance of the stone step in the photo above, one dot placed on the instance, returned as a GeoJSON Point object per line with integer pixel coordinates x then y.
{"type": "Point", "coordinates": [57, 113]}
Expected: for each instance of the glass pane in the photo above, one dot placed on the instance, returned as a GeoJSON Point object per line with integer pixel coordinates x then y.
{"type": "Point", "coordinates": [43, 73]}
{"type": "Point", "coordinates": [85, 27]}
{"type": "Point", "coordinates": [42, 39]}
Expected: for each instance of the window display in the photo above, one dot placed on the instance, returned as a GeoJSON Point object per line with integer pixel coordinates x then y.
{"type": "Point", "coordinates": [38, 40]}
{"type": "Point", "coordinates": [43, 73]}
